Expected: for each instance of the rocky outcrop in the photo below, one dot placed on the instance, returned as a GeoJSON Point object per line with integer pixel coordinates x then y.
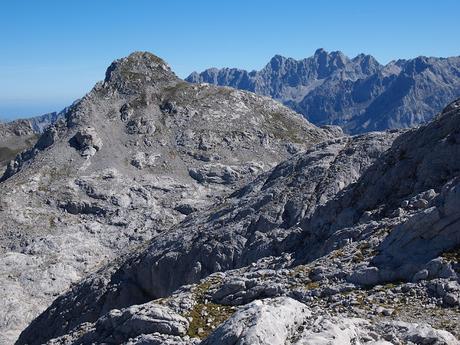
{"type": "Point", "coordinates": [358, 94]}
{"type": "Point", "coordinates": [261, 322]}
{"type": "Point", "coordinates": [281, 320]}
{"type": "Point", "coordinates": [86, 141]}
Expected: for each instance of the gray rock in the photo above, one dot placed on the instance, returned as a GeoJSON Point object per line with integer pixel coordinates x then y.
{"type": "Point", "coordinates": [282, 320]}
{"type": "Point", "coordinates": [420, 275]}
{"type": "Point", "coordinates": [86, 141]}
{"type": "Point", "coordinates": [421, 334]}
{"type": "Point", "coordinates": [261, 322]}
{"type": "Point", "coordinates": [451, 299]}
{"type": "Point", "coordinates": [149, 318]}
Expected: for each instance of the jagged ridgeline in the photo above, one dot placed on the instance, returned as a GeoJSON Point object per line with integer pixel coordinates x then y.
{"type": "Point", "coordinates": [358, 94]}
{"type": "Point", "coordinates": [135, 156]}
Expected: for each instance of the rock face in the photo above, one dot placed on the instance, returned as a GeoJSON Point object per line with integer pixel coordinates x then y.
{"type": "Point", "coordinates": [358, 94]}
{"type": "Point", "coordinates": [261, 322]}
{"type": "Point", "coordinates": [355, 240]}
{"type": "Point", "coordinates": [130, 159]}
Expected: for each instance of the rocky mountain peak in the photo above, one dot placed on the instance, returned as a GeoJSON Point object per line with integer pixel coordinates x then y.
{"type": "Point", "coordinates": [138, 69]}
{"type": "Point", "coordinates": [368, 63]}
{"type": "Point", "coordinates": [277, 61]}
{"type": "Point", "coordinates": [329, 62]}
{"type": "Point", "coordinates": [320, 52]}
{"type": "Point", "coordinates": [417, 65]}
{"type": "Point", "coordinates": [339, 57]}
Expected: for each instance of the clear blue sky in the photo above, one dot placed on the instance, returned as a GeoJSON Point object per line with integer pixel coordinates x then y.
{"type": "Point", "coordinates": [53, 51]}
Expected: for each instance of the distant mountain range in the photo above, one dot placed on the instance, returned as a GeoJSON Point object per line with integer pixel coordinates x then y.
{"type": "Point", "coordinates": [358, 94]}
{"type": "Point", "coordinates": [39, 123]}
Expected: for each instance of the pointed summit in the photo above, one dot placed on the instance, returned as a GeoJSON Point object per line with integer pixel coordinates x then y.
{"type": "Point", "coordinates": [138, 69]}
{"type": "Point", "coordinates": [320, 52]}
{"type": "Point", "coordinates": [367, 63]}
{"type": "Point", "coordinates": [326, 63]}
{"type": "Point", "coordinates": [276, 61]}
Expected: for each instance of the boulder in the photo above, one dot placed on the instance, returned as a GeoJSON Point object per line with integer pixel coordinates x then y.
{"type": "Point", "coordinates": [86, 141]}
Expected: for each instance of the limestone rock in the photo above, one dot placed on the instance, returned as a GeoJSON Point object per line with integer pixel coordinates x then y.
{"type": "Point", "coordinates": [261, 322]}
{"type": "Point", "coordinates": [86, 141]}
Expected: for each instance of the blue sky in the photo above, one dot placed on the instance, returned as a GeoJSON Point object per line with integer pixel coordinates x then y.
{"type": "Point", "coordinates": [53, 51]}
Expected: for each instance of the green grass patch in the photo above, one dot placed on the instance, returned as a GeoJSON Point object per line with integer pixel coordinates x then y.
{"type": "Point", "coordinates": [452, 255]}
{"type": "Point", "coordinates": [205, 316]}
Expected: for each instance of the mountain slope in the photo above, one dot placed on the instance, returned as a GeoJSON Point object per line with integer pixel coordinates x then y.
{"type": "Point", "coordinates": [358, 94]}
{"type": "Point", "coordinates": [133, 157]}
{"type": "Point", "coordinates": [363, 231]}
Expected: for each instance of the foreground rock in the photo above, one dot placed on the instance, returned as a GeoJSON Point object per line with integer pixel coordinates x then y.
{"type": "Point", "coordinates": [283, 320]}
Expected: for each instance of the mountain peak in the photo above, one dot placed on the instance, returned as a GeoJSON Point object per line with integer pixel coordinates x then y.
{"type": "Point", "coordinates": [137, 69]}
{"type": "Point", "coordinates": [278, 57]}
{"type": "Point", "coordinates": [320, 52]}
{"type": "Point", "coordinates": [368, 63]}
{"type": "Point", "coordinates": [277, 60]}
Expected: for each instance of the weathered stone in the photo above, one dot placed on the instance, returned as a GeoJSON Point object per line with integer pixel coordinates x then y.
{"type": "Point", "coordinates": [86, 141]}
